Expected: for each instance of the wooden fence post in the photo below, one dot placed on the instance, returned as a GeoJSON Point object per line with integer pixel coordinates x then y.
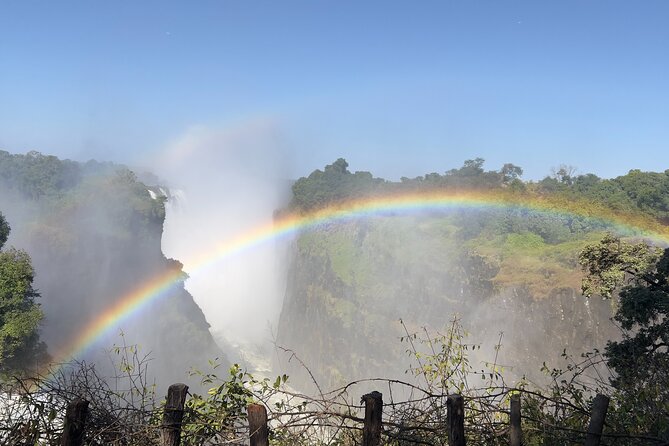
{"type": "Point", "coordinates": [173, 414]}
{"type": "Point", "coordinates": [599, 407]}
{"type": "Point", "coordinates": [515, 432]}
{"type": "Point", "coordinates": [371, 431]}
{"type": "Point", "coordinates": [258, 430]}
{"type": "Point", "coordinates": [455, 417]}
{"type": "Point", "coordinates": [75, 423]}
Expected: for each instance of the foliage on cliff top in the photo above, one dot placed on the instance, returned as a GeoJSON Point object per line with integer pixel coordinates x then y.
{"type": "Point", "coordinates": [640, 193]}
{"type": "Point", "coordinates": [67, 188]}
{"type": "Point", "coordinates": [533, 249]}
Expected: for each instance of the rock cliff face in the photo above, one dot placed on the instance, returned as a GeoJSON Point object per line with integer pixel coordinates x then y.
{"type": "Point", "coordinates": [350, 284]}
{"type": "Point", "coordinates": [94, 234]}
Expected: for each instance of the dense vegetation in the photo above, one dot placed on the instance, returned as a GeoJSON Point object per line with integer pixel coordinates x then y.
{"type": "Point", "coordinates": [20, 315]}
{"type": "Point", "coordinates": [636, 192]}
{"type": "Point", "coordinates": [639, 360]}
{"type": "Point", "coordinates": [584, 206]}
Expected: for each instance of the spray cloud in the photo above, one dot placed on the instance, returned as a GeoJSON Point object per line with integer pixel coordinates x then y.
{"type": "Point", "coordinates": [224, 181]}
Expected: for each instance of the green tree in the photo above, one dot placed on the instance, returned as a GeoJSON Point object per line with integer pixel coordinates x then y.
{"type": "Point", "coordinates": [640, 359]}
{"type": "Point", "coordinates": [20, 315]}
{"type": "Point", "coordinates": [564, 173]}
{"type": "Point", "coordinates": [510, 172]}
{"type": "Point", "coordinates": [332, 184]}
{"type": "Point", "coordinates": [340, 166]}
{"type": "Point", "coordinates": [649, 191]}
{"type": "Point", "coordinates": [4, 231]}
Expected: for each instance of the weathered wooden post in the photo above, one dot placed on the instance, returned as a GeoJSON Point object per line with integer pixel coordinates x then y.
{"type": "Point", "coordinates": [455, 417]}
{"type": "Point", "coordinates": [75, 423]}
{"type": "Point", "coordinates": [258, 430]}
{"type": "Point", "coordinates": [515, 432]}
{"type": "Point", "coordinates": [371, 431]}
{"type": "Point", "coordinates": [173, 414]}
{"type": "Point", "coordinates": [599, 407]}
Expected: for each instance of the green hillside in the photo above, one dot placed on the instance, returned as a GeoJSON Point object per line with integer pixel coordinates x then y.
{"type": "Point", "coordinates": [511, 268]}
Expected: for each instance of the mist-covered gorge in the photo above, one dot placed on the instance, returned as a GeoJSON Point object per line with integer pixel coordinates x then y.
{"type": "Point", "coordinates": [350, 284]}
{"type": "Point", "coordinates": [505, 265]}
{"type": "Point", "coordinates": [93, 231]}
{"type": "Point", "coordinates": [482, 245]}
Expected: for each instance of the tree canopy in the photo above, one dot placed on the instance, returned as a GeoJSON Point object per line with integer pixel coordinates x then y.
{"type": "Point", "coordinates": [645, 193]}
{"type": "Point", "coordinates": [640, 274]}
{"type": "Point", "coordinates": [20, 315]}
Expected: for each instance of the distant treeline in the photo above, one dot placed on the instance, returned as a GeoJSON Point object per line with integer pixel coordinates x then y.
{"type": "Point", "coordinates": [637, 191]}
{"type": "Point", "coordinates": [36, 175]}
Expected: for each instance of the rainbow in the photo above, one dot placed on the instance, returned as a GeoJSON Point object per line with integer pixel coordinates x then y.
{"type": "Point", "coordinates": [285, 225]}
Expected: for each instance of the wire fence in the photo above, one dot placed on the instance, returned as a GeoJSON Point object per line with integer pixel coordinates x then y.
{"type": "Point", "coordinates": [484, 416]}
{"type": "Point", "coordinates": [74, 406]}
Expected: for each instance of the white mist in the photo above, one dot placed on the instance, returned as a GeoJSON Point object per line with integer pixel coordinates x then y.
{"type": "Point", "coordinates": [224, 183]}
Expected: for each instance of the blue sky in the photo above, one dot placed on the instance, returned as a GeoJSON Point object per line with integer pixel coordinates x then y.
{"type": "Point", "coordinates": [396, 88]}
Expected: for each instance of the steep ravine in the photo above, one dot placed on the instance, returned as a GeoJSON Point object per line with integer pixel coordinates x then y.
{"type": "Point", "coordinates": [94, 235]}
